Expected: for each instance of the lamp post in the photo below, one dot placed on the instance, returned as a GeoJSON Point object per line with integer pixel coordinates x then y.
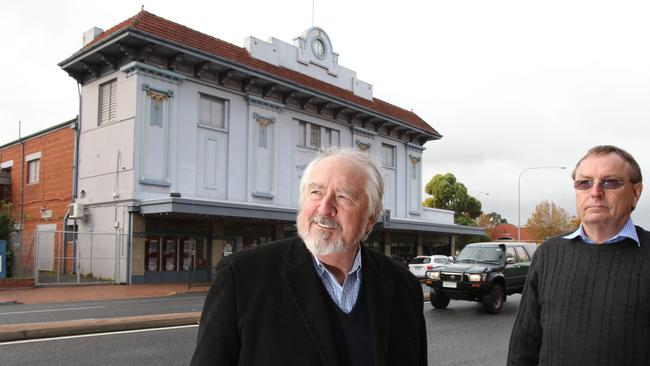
{"type": "Point", "coordinates": [519, 194]}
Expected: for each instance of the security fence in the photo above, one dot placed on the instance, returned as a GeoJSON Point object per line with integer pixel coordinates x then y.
{"type": "Point", "coordinates": [68, 257]}
{"type": "Point", "coordinates": [200, 277]}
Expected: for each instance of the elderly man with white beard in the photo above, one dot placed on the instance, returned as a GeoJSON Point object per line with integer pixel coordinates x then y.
{"type": "Point", "coordinates": [320, 298]}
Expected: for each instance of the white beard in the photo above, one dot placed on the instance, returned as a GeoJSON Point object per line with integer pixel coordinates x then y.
{"type": "Point", "coordinates": [318, 242]}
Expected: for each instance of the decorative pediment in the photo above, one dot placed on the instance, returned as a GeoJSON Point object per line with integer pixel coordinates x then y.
{"type": "Point", "coordinates": [315, 47]}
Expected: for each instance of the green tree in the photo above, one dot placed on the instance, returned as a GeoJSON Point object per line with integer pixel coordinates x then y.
{"type": "Point", "coordinates": [449, 194]}
{"type": "Point", "coordinates": [6, 221]}
{"type": "Point", "coordinates": [6, 228]}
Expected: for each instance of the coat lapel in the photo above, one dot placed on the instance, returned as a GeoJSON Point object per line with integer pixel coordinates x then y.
{"type": "Point", "coordinates": [379, 292]}
{"type": "Point", "coordinates": [303, 284]}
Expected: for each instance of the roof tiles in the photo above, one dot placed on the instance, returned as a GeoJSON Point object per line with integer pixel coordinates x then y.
{"type": "Point", "coordinates": [158, 27]}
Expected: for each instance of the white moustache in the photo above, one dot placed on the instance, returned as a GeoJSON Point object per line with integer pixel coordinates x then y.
{"type": "Point", "coordinates": [325, 222]}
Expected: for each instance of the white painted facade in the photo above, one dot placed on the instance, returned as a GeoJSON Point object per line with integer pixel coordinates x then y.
{"type": "Point", "coordinates": [157, 145]}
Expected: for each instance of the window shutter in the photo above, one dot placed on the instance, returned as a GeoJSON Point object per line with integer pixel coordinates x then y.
{"type": "Point", "coordinates": [107, 102]}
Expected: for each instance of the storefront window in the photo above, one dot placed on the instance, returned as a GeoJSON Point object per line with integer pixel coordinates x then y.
{"type": "Point", "coordinates": [189, 245]}
{"type": "Point", "coordinates": [169, 254]}
{"type": "Point", "coordinates": [201, 253]}
{"type": "Point", "coordinates": [152, 253]}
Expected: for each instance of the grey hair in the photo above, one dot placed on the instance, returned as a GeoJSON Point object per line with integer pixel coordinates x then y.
{"type": "Point", "coordinates": [364, 161]}
{"type": "Point", "coordinates": [609, 149]}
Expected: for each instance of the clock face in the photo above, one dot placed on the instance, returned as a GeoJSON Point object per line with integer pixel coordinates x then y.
{"type": "Point", "coordinates": [318, 47]}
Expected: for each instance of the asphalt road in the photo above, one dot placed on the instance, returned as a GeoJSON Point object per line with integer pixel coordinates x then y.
{"type": "Point", "coordinates": [461, 335]}
{"type": "Point", "coordinates": [23, 313]}
{"type": "Point", "coordinates": [464, 334]}
{"type": "Point", "coordinates": [156, 347]}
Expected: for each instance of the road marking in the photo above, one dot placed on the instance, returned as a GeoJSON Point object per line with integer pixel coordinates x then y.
{"type": "Point", "coordinates": [97, 334]}
{"type": "Point", "coordinates": [48, 310]}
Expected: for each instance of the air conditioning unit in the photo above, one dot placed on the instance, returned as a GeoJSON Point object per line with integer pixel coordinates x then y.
{"type": "Point", "coordinates": [76, 210]}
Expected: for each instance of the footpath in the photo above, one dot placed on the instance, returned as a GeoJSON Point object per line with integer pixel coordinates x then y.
{"type": "Point", "coordinates": [40, 295]}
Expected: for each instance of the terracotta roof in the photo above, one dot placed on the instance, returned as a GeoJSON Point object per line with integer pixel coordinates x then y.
{"type": "Point", "coordinates": [158, 27]}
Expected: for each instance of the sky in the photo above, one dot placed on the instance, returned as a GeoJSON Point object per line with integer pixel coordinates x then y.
{"type": "Point", "coordinates": [509, 85]}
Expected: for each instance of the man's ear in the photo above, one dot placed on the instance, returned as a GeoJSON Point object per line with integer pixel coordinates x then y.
{"type": "Point", "coordinates": [638, 188]}
{"type": "Point", "coordinates": [369, 226]}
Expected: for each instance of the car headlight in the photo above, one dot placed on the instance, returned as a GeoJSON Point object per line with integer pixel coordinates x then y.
{"type": "Point", "coordinates": [476, 277]}
{"type": "Point", "coordinates": [434, 275]}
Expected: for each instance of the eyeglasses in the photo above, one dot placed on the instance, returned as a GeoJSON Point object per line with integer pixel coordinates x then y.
{"type": "Point", "coordinates": [585, 184]}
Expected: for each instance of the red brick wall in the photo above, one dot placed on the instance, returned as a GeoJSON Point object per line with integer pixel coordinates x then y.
{"type": "Point", "coordinates": [52, 192]}
{"type": "Point", "coordinates": [509, 231]}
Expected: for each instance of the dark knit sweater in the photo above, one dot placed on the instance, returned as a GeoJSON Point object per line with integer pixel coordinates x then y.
{"type": "Point", "coordinates": [352, 332]}
{"type": "Point", "coordinates": [585, 304]}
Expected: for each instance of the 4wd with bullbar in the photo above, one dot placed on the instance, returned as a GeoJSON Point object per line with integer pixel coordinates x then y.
{"type": "Point", "coordinates": [484, 272]}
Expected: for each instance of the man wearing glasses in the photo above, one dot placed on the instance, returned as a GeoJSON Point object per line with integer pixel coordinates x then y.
{"type": "Point", "coordinates": [587, 295]}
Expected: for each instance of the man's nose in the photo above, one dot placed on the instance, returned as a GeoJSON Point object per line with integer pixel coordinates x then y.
{"type": "Point", "coordinates": [327, 205]}
{"type": "Point", "coordinates": [596, 189]}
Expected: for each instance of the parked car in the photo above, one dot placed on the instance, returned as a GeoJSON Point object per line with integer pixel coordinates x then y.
{"type": "Point", "coordinates": [422, 263]}
{"type": "Point", "coordinates": [484, 272]}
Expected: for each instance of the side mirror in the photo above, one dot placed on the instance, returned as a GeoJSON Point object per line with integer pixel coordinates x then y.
{"type": "Point", "coordinates": [510, 260]}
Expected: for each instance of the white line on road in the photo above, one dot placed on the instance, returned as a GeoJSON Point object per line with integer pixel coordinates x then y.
{"type": "Point", "coordinates": [48, 310]}
{"type": "Point", "coordinates": [97, 334]}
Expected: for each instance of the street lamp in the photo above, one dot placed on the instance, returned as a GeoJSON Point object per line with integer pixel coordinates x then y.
{"type": "Point", "coordinates": [519, 194]}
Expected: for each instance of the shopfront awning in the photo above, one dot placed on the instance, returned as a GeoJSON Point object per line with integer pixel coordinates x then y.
{"type": "Point", "coordinates": [191, 206]}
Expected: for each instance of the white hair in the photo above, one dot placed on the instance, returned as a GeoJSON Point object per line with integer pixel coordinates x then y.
{"type": "Point", "coordinates": [367, 164]}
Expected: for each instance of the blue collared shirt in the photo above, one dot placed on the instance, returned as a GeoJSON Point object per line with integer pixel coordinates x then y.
{"type": "Point", "coordinates": [344, 296]}
{"type": "Point", "coordinates": [628, 231]}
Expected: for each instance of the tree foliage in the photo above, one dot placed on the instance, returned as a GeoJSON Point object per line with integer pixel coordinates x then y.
{"type": "Point", "coordinates": [6, 221]}
{"type": "Point", "coordinates": [548, 220]}
{"type": "Point", "coordinates": [490, 221]}
{"type": "Point", "coordinates": [6, 229]}
{"type": "Point", "coordinates": [449, 194]}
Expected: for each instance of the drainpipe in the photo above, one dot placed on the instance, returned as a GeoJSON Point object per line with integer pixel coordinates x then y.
{"type": "Point", "coordinates": [75, 159]}
{"type": "Point", "coordinates": [22, 189]}
{"type": "Point", "coordinates": [75, 178]}
{"type": "Point", "coordinates": [129, 235]}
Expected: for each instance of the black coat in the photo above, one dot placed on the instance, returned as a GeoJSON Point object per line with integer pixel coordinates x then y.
{"type": "Point", "coordinates": [267, 307]}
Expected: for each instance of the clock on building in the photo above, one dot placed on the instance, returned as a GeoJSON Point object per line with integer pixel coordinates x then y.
{"type": "Point", "coordinates": [318, 47]}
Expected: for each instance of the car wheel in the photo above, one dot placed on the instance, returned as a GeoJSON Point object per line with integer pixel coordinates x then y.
{"type": "Point", "coordinates": [493, 301]}
{"type": "Point", "coordinates": [438, 300]}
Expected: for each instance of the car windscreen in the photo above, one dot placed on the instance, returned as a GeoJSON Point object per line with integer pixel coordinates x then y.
{"type": "Point", "coordinates": [479, 254]}
{"type": "Point", "coordinates": [420, 260]}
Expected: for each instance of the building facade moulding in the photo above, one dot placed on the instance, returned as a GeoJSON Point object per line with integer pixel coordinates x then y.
{"type": "Point", "coordinates": [265, 103]}
{"type": "Point", "coordinates": [363, 132]}
{"type": "Point", "coordinates": [136, 67]}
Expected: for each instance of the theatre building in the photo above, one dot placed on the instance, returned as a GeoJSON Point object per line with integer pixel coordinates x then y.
{"type": "Point", "coordinates": [191, 148]}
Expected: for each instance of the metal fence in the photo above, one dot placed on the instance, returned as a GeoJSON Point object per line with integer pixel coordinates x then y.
{"type": "Point", "coordinates": [200, 277]}
{"type": "Point", "coordinates": [67, 257]}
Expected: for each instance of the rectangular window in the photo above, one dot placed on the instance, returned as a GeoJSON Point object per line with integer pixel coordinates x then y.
{"type": "Point", "coordinates": [212, 112]}
{"type": "Point", "coordinates": [315, 136]}
{"type": "Point", "coordinates": [302, 133]}
{"type": "Point", "coordinates": [336, 138]}
{"type": "Point", "coordinates": [388, 155]}
{"type": "Point", "coordinates": [33, 171]}
{"type": "Point", "coordinates": [107, 102]}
